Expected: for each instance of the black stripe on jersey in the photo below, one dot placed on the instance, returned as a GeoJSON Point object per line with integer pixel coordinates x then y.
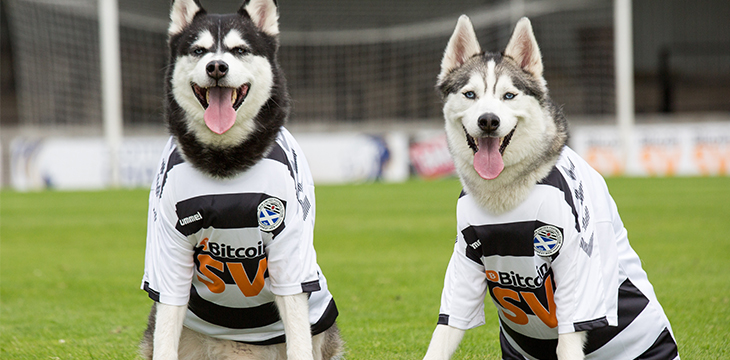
{"type": "Point", "coordinates": [311, 286]}
{"type": "Point", "coordinates": [233, 318]}
{"type": "Point", "coordinates": [174, 159]}
{"type": "Point", "coordinates": [509, 239]}
{"type": "Point", "coordinates": [591, 324]}
{"type": "Point", "coordinates": [556, 180]}
{"type": "Point", "coordinates": [508, 352]}
{"type": "Point", "coordinates": [324, 323]}
{"type": "Point", "coordinates": [327, 319]}
{"type": "Point", "coordinates": [543, 349]}
{"type": "Point", "coordinates": [278, 154]}
{"type": "Point", "coordinates": [253, 317]}
{"type": "Point", "coordinates": [663, 348]}
{"type": "Point", "coordinates": [221, 211]}
{"type": "Point", "coordinates": [631, 302]}
{"type": "Point", "coordinates": [154, 295]}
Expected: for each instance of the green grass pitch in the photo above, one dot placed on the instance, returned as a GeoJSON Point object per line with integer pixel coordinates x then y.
{"type": "Point", "coordinates": [71, 265]}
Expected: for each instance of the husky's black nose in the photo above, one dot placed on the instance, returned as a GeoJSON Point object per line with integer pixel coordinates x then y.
{"type": "Point", "coordinates": [488, 122]}
{"type": "Point", "coordinates": [216, 69]}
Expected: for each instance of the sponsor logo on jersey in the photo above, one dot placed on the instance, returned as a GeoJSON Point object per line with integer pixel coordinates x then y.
{"type": "Point", "coordinates": [514, 279]}
{"type": "Point", "coordinates": [225, 251]}
{"type": "Point", "coordinates": [218, 264]}
{"type": "Point", "coordinates": [271, 214]}
{"type": "Point", "coordinates": [516, 304]}
{"type": "Point", "coordinates": [191, 219]}
{"type": "Point", "coordinates": [547, 240]}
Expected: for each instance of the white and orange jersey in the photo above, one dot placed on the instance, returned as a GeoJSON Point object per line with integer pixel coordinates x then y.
{"type": "Point", "coordinates": [225, 247]}
{"type": "Point", "coordinates": [559, 262]}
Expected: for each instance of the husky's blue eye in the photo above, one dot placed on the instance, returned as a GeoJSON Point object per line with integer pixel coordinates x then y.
{"type": "Point", "coordinates": [198, 51]}
{"type": "Point", "coordinates": [470, 95]}
{"type": "Point", "coordinates": [509, 96]}
{"type": "Point", "coordinates": [240, 51]}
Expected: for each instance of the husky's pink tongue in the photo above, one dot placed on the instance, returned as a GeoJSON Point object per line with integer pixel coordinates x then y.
{"type": "Point", "coordinates": [488, 161]}
{"type": "Point", "coordinates": [220, 115]}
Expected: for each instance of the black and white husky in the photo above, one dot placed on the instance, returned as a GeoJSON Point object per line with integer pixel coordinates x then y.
{"type": "Point", "coordinates": [538, 231]}
{"type": "Point", "coordinates": [230, 260]}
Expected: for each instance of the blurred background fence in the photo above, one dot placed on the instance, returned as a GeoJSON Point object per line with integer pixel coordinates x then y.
{"type": "Point", "coordinates": [364, 63]}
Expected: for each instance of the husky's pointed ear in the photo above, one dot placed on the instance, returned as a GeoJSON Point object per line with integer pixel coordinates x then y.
{"type": "Point", "coordinates": [522, 47]}
{"type": "Point", "coordinates": [182, 14]}
{"type": "Point", "coordinates": [462, 45]}
{"type": "Point", "coordinates": [263, 13]}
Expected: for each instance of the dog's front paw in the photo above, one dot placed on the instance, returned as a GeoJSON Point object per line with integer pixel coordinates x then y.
{"type": "Point", "coordinates": [570, 346]}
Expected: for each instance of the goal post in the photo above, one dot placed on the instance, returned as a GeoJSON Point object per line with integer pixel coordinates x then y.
{"type": "Point", "coordinates": [624, 55]}
{"type": "Point", "coordinates": [111, 83]}
{"type": "Point", "coordinates": [362, 65]}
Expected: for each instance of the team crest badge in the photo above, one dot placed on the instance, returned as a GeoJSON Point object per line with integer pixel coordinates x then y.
{"type": "Point", "coordinates": [547, 240]}
{"type": "Point", "coordinates": [271, 214]}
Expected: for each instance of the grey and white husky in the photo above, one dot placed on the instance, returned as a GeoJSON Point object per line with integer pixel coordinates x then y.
{"type": "Point", "coordinates": [538, 231]}
{"type": "Point", "coordinates": [247, 190]}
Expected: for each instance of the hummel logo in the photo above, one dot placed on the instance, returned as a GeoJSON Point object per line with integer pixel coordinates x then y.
{"type": "Point", "coordinates": [587, 246]}
{"type": "Point", "coordinates": [579, 193]}
{"type": "Point", "coordinates": [191, 219]}
{"type": "Point", "coordinates": [571, 170]}
{"type": "Point", "coordinates": [586, 218]}
{"type": "Point", "coordinates": [476, 244]}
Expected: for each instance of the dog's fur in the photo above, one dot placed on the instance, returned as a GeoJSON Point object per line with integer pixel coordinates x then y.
{"type": "Point", "coordinates": [266, 104]}
{"type": "Point", "coordinates": [194, 346]}
{"type": "Point", "coordinates": [506, 136]}
{"type": "Point", "coordinates": [534, 146]}
{"type": "Point", "coordinates": [531, 131]}
{"type": "Point", "coordinates": [243, 47]}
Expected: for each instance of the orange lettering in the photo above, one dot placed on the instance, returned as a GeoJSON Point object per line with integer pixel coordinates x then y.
{"type": "Point", "coordinates": [492, 276]}
{"type": "Point", "coordinates": [214, 283]}
{"type": "Point", "coordinates": [604, 159]}
{"type": "Point", "coordinates": [660, 159]}
{"type": "Point", "coordinates": [204, 244]}
{"type": "Point", "coordinates": [547, 316]}
{"type": "Point", "coordinates": [241, 278]}
{"type": "Point", "coordinates": [519, 316]}
{"type": "Point", "coordinates": [712, 158]}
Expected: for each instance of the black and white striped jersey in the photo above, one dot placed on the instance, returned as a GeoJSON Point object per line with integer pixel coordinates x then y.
{"type": "Point", "coordinates": [559, 262]}
{"type": "Point", "coordinates": [225, 247]}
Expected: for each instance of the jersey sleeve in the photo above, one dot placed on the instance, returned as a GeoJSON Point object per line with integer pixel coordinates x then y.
{"type": "Point", "coordinates": [465, 286]}
{"type": "Point", "coordinates": [169, 265]}
{"type": "Point", "coordinates": [292, 260]}
{"type": "Point", "coordinates": [586, 267]}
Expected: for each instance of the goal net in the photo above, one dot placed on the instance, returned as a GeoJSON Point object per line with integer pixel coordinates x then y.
{"type": "Point", "coordinates": [345, 61]}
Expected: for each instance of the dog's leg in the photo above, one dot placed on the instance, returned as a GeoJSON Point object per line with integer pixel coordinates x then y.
{"type": "Point", "coordinates": [331, 344]}
{"type": "Point", "coordinates": [168, 326]}
{"type": "Point", "coordinates": [294, 312]}
{"type": "Point", "coordinates": [570, 346]}
{"type": "Point", "coordinates": [444, 342]}
{"type": "Point", "coordinates": [317, 344]}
